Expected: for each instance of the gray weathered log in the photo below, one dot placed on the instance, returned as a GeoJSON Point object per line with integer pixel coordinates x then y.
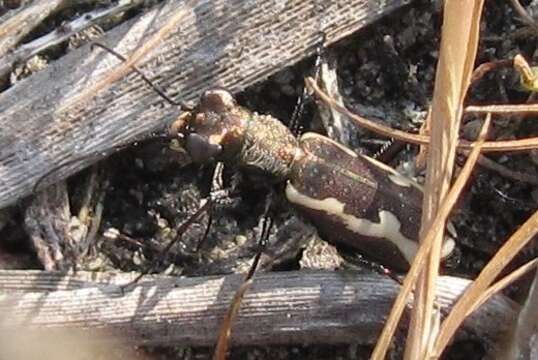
{"type": "Point", "coordinates": [221, 42]}
{"type": "Point", "coordinates": [280, 308]}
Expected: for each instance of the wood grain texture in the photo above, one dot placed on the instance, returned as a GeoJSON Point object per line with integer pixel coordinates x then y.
{"type": "Point", "coordinates": [219, 43]}
{"type": "Point", "coordinates": [280, 308]}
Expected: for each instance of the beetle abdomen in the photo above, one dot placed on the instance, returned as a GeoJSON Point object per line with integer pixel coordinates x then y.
{"type": "Point", "coordinates": [356, 201]}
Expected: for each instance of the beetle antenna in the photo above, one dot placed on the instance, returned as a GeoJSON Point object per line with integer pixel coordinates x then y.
{"type": "Point", "coordinates": [158, 90]}
{"type": "Point", "coordinates": [216, 186]}
{"type": "Point", "coordinates": [302, 99]}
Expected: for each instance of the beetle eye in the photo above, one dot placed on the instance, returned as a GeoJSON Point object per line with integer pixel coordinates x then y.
{"type": "Point", "coordinates": [200, 149]}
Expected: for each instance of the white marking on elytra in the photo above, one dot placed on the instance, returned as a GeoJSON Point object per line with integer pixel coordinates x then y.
{"type": "Point", "coordinates": [450, 243]}
{"type": "Point", "coordinates": [388, 226]}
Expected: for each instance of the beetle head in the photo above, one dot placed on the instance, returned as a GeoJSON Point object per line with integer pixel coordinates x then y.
{"type": "Point", "coordinates": [214, 129]}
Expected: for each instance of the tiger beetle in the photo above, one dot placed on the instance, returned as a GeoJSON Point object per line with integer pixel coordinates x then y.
{"type": "Point", "coordinates": [353, 200]}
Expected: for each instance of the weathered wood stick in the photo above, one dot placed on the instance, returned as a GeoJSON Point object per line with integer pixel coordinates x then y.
{"type": "Point", "coordinates": [280, 308]}
{"type": "Point", "coordinates": [33, 15]}
{"type": "Point", "coordinates": [220, 42]}
{"type": "Point", "coordinates": [16, 24]}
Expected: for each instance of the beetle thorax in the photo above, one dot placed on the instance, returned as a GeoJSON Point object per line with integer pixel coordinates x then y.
{"type": "Point", "coordinates": [269, 146]}
{"type": "Point", "coordinates": [221, 130]}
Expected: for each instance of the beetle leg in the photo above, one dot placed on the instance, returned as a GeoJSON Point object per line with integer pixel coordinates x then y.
{"type": "Point", "coordinates": [373, 265]}
{"type": "Point", "coordinates": [206, 204]}
{"type": "Point", "coordinates": [217, 186]}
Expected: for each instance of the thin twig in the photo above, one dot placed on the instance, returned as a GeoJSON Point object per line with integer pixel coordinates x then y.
{"type": "Point", "coordinates": [506, 172]}
{"type": "Point", "coordinates": [527, 19]}
{"type": "Point", "coordinates": [489, 146]}
{"type": "Point", "coordinates": [26, 51]}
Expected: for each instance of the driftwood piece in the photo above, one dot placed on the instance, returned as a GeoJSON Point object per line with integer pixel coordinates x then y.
{"type": "Point", "coordinates": [225, 43]}
{"type": "Point", "coordinates": [280, 308]}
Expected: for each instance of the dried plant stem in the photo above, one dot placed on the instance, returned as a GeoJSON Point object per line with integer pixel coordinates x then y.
{"type": "Point", "coordinates": [504, 109]}
{"type": "Point", "coordinates": [499, 285]}
{"type": "Point", "coordinates": [459, 43]}
{"type": "Point", "coordinates": [473, 293]}
{"type": "Point", "coordinates": [489, 146]}
{"type": "Point", "coordinates": [384, 340]}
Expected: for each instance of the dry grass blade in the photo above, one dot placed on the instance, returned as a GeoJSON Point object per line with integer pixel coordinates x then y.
{"type": "Point", "coordinates": [505, 254]}
{"type": "Point", "coordinates": [502, 283]}
{"type": "Point", "coordinates": [522, 343]}
{"type": "Point", "coordinates": [399, 304]}
{"type": "Point", "coordinates": [459, 44]}
{"type": "Point", "coordinates": [503, 109]}
{"type": "Point", "coordinates": [489, 146]}
{"type": "Point", "coordinates": [363, 122]}
{"type": "Point", "coordinates": [504, 146]}
{"type": "Point", "coordinates": [225, 331]}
